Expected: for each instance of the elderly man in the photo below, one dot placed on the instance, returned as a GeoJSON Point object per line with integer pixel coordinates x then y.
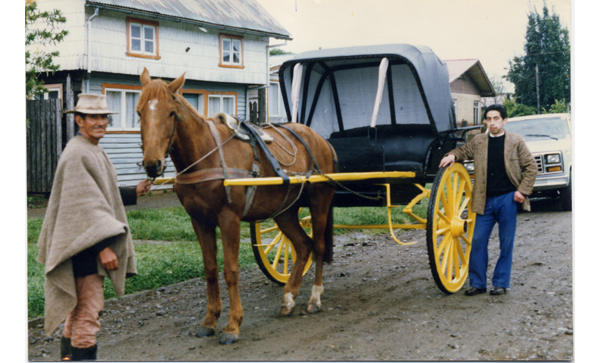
{"type": "Point", "coordinates": [505, 173]}
{"type": "Point", "coordinates": [85, 235]}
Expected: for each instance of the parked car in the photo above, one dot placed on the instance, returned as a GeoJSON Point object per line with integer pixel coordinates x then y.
{"type": "Point", "coordinates": [548, 137]}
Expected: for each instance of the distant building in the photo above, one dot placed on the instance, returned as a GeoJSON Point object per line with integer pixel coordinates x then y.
{"type": "Point", "coordinates": [469, 85]}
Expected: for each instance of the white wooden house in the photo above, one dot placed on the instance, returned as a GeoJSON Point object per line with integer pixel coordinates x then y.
{"type": "Point", "coordinates": [469, 83]}
{"type": "Point", "coordinates": [221, 45]}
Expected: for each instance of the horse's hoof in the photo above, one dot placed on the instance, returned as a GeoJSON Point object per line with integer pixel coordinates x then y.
{"type": "Point", "coordinates": [228, 338]}
{"type": "Point", "coordinates": [285, 311]}
{"type": "Point", "coordinates": [313, 308]}
{"type": "Point", "coordinates": [205, 332]}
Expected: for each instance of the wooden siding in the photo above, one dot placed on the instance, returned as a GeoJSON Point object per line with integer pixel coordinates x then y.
{"type": "Point", "coordinates": [200, 61]}
{"type": "Point", "coordinates": [126, 155]}
{"type": "Point", "coordinates": [73, 47]}
{"type": "Point", "coordinates": [44, 143]}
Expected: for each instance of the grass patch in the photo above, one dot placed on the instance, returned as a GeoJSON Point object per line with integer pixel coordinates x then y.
{"type": "Point", "coordinates": [168, 263]}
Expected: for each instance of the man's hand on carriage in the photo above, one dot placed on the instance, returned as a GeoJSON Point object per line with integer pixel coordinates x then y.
{"type": "Point", "coordinates": [448, 160]}
{"type": "Point", "coordinates": [143, 187]}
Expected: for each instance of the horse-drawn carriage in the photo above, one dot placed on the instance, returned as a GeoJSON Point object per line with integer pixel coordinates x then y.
{"type": "Point", "coordinates": [387, 112]}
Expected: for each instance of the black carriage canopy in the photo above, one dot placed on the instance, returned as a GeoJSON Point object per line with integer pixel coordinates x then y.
{"type": "Point", "coordinates": [333, 90]}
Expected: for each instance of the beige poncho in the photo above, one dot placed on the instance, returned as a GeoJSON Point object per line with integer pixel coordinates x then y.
{"type": "Point", "coordinates": [85, 208]}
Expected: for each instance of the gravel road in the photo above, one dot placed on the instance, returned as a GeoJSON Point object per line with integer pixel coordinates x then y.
{"type": "Point", "coordinates": [380, 303]}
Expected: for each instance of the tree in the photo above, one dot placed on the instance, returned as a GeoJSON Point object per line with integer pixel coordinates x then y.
{"type": "Point", "coordinates": [515, 109]}
{"type": "Point", "coordinates": [278, 51]}
{"type": "Point", "coordinates": [547, 47]}
{"type": "Point", "coordinates": [40, 61]}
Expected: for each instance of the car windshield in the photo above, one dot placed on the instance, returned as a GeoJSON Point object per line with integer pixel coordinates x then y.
{"type": "Point", "coordinates": [535, 129]}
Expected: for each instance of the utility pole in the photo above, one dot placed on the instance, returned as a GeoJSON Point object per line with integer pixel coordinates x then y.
{"type": "Point", "coordinates": [537, 88]}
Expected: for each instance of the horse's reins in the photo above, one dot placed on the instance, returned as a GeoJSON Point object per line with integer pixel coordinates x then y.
{"type": "Point", "coordinates": [226, 171]}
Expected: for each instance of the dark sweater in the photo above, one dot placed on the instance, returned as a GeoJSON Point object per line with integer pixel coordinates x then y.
{"type": "Point", "coordinates": [498, 182]}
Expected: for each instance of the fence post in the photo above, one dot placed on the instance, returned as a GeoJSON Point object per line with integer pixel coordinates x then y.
{"type": "Point", "coordinates": [70, 127]}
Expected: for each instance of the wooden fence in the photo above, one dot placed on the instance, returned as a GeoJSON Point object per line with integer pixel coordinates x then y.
{"type": "Point", "coordinates": [44, 143]}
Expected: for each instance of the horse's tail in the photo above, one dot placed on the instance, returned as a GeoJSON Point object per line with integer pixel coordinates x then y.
{"type": "Point", "coordinates": [328, 255]}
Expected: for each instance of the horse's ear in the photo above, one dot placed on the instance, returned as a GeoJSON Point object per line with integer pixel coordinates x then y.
{"type": "Point", "coordinates": [145, 77]}
{"type": "Point", "coordinates": [177, 84]}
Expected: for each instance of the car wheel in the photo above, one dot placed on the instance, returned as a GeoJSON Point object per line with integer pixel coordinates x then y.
{"type": "Point", "coordinates": [566, 198]}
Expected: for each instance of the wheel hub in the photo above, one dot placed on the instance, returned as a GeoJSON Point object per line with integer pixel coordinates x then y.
{"type": "Point", "coordinates": [457, 226]}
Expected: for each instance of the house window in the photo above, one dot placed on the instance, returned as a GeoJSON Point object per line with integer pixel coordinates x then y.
{"type": "Point", "coordinates": [196, 99]}
{"type": "Point", "coordinates": [232, 51]}
{"type": "Point", "coordinates": [476, 113]}
{"type": "Point", "coordinates": [54, 92]}
{"type": "Point", "coordinates": [123, 101]}
{"type": "Point", "coordinates": [222, 103]}
{"type": "Point", "coordinates": [142, 38]}
{"type": "Point", "coordinates": [274, 99]}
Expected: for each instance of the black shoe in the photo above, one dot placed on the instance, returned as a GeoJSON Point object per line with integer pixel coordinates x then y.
{"type": "Point", "coordinates": [84, 354]}
{"type": "Point", "coordinates": [474, 291]}
{"type": "Point", "coordinates": [65, 348]}
{"type": "Point", "coordinates": [497, 291]}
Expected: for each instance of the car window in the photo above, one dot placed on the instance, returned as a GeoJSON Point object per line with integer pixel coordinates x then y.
{"type": "Point", "coordinates": [534, 129]}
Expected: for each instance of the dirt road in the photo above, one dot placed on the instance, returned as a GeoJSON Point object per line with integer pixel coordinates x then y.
{"type": "Point", "coordinates": [380, 303]}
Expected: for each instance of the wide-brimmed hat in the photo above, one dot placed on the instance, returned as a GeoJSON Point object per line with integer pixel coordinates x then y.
{"type": "Point", "coordinates": [90, 104]}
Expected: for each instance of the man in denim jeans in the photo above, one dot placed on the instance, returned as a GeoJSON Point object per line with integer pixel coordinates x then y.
{"type": "Point", "coordinates": [505, 173]}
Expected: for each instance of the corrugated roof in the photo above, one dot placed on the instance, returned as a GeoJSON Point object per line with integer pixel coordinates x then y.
{"type": "Point", "coordinates": [240, 15]}
{"type": "Point", "coordinates": [458, 67]}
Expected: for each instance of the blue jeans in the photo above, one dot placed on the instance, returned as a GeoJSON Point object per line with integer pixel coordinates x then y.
{"type": "Point", "coordinates": [503, 210]}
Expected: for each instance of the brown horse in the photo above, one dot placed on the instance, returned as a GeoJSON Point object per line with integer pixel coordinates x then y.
{"type": "Point", "coordinates": [169, 124]}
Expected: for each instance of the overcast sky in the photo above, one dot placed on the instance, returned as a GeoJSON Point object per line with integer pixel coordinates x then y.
{"type": "Point", "coordinates": [492, 31]}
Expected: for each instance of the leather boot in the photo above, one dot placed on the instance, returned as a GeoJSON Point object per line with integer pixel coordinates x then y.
{"type": "Point", "coordinates": [65, 348]}
{"type": "Point", "coordinates": [84, 354]}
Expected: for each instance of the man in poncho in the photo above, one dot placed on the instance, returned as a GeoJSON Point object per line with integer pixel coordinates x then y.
{"type": "Point", "coordinates": [85, 235]}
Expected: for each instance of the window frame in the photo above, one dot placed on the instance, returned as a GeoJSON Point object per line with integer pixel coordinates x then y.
{"type": "Point", "coordinates": [123, 89]}
{"type": "Point", "coordinates": [53, 87]}
{"type": "Point", "coordinates": [221, 95]}
{"type": "Point", "coordinates": [476, 112]}
{"type": "Point", "coordinates": [198, 92]}
{"type": "Point", "coordinates": [276, 102]}
{"type": "Point", "coordinates": [231, 64]}
{"type": "Point", "coordinates": [144, 24]}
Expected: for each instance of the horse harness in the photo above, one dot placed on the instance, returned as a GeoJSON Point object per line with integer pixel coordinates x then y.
{"type": "Point", "coordinates": [257, 139]}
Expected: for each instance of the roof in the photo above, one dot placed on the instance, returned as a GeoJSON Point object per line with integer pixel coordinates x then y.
{"type": "Point", "coordinates": [472, 67]}
{"type": "Point", "coordinates": [238, 15]}
{"type": "Point", "coordinates": [430, 72]}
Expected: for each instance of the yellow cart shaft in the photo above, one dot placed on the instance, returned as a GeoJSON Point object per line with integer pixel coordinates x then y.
{"type": "Point", "coordinates": [319, 178]}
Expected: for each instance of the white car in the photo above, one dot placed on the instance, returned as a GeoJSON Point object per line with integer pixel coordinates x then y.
{"type": "Point", "coordinates": [548, 137]}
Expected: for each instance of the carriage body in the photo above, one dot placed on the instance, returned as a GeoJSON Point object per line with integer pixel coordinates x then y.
{"type": "Point", "coordinates": [383, 108]}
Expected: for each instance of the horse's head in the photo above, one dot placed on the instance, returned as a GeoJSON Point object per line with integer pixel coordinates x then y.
{"type": "Point", "coordinates": [158, 109]}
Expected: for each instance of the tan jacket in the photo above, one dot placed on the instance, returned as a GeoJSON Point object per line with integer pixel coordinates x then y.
{"type": "Point", "coordinates": [85, 207]}
{"type": "Point", "coordinates": [520, 166]}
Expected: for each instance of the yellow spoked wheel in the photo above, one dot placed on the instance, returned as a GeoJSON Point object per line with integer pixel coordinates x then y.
{"type": "Point", "coordinates": [274, 252]}
{"type": "Point", "coordinates": [450, 225]}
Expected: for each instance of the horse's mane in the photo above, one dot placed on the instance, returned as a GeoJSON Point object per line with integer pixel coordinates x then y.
{"type": "Point", "coordinates": [158, 89]}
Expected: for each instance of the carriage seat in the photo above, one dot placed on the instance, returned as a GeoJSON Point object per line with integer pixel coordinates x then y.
{"type": "Point", "coordinates": [394, 148]}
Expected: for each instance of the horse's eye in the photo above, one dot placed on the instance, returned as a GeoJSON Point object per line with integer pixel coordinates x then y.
{"type": "Point", "coordinates": [172, 114]}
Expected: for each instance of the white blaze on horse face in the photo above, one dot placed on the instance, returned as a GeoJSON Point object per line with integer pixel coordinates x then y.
{"type": "Point", "coordinates": [314, 304]}
{"type": "Point", "coordinates": [152, 104]}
